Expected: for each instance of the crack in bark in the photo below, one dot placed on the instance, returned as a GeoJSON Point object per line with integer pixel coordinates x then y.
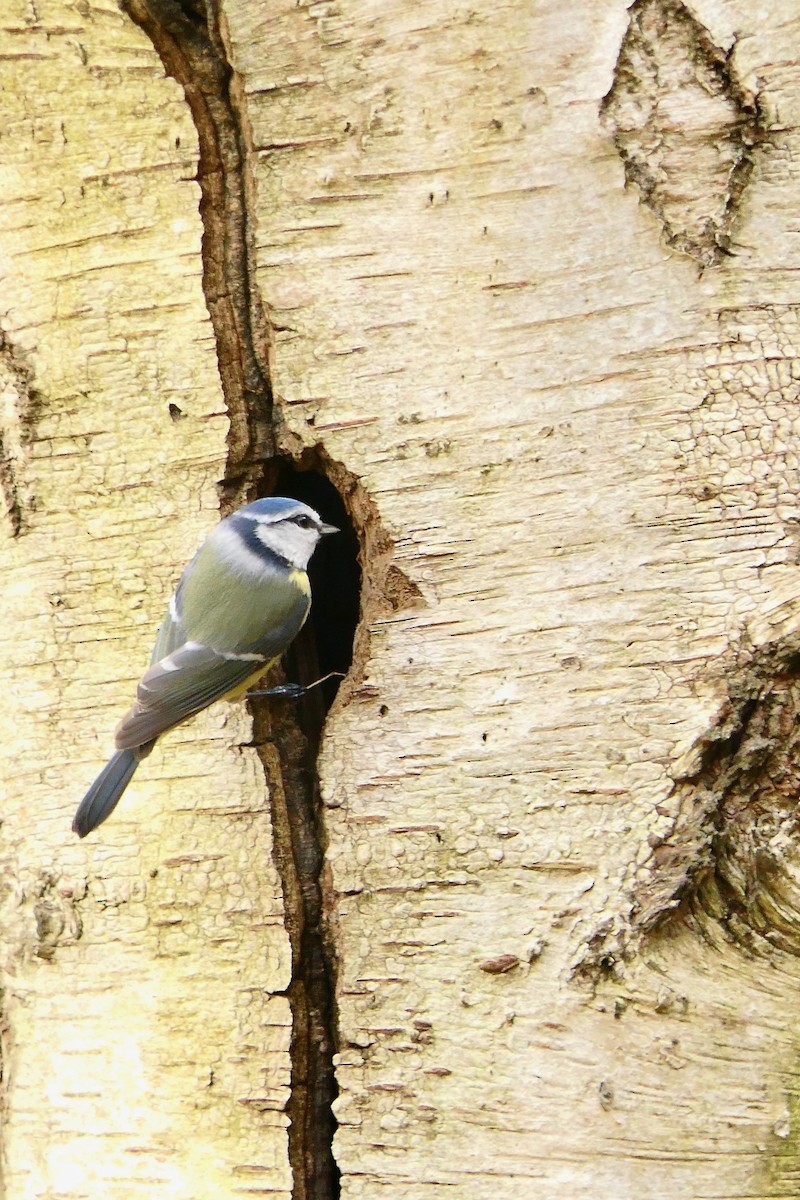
{"type": "Point", "coordinates": [188, 37]}
{"type": "Point", "coordinates": [8, 486]}
{"type": "Point", "coordinates": [299, 854]}
{"type": "Point", "coordinates": [189, 43]}
{"type": "Point", "coordinates": [729, 865]}
{"type": "Point", "coordinates": [19, 410]}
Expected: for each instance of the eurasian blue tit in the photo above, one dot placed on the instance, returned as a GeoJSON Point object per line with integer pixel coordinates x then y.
{"type": "Point", "coordinates": [239, 603]}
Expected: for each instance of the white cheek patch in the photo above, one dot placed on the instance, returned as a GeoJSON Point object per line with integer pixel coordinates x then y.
{"type": "Point", "coordinates": [236, 554]}
{"type": "Point", "coordinates": [291, 543]}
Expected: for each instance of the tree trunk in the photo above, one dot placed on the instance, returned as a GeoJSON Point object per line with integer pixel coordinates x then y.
{"type": "Point", "coordinates": [520, 284]}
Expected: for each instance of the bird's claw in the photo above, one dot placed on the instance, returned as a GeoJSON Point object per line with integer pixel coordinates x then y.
{"type": "Point", "coordinates": [293, 691]}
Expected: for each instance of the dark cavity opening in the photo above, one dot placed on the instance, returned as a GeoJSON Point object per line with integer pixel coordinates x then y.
{"type": "Point", "coordinates": [326, 641]}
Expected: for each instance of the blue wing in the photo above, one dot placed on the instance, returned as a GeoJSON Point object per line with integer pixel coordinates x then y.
{"type": "Point", "coordinates": [180, 685]}
{"type": "Point", "coordinates": [188, 673]}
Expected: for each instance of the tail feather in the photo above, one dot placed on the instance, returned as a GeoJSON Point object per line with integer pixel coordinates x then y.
{"type": "Point", "coordinates": [101, 798]}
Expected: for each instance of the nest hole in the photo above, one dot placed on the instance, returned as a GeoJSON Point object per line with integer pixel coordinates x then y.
{"type": "Point", "coordinates": [325, 644]}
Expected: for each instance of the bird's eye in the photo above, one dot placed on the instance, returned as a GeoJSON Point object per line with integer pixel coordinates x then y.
{"type": "Point", "coordinates": [303, 521]}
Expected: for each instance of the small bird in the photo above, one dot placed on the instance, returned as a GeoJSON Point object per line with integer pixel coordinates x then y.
{"type": "Point", "coordinates": [241, 600]}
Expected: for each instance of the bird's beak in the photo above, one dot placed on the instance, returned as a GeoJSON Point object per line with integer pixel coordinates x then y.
{"type": "Point", "coordinates": [326, 529]}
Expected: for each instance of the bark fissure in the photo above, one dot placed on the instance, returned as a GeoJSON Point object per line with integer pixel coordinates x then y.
{"type": "Point", "coordinates": [189, 44]}
{"type": "Point", "coordinates": [728, 868]}
{"type": "Point", "coordinates": [8, 485]}
{"type": "Point", "coordinates": [19, 408]}
{"type": "Point", "coordinates": [188, 38]}
{"type": "Point", "coordinates": [299, 854]}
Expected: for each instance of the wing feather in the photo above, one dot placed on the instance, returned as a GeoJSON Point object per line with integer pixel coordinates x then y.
{"type": "Point", "coordinates": [171, 635]}
{"type": "Point", "coordinates": [180, 685]}
{"type": "Point", "coordinates": [172, 631]}
{"type": "Point", "coordinates": [186, 674]}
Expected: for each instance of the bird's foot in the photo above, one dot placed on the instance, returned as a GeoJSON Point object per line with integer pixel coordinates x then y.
{"type": "Point", "coordinates": [293, 691]}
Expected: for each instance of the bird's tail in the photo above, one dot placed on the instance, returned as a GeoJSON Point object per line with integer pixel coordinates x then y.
{"type": "Point", "coordinates": [101, 798]}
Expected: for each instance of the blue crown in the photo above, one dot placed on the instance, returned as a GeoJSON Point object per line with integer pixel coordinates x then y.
{"type": "Point", "coordinates": [273, 506]}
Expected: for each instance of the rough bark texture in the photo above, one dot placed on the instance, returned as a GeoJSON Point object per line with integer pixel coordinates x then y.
{"type": "Point", "coordinates": [146, 1043]}
{"type": "Point", "coordinates": [530, 274]}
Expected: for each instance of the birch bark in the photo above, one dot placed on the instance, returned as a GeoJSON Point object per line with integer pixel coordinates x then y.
{"type": "Point", "coordinates": [530, 273]}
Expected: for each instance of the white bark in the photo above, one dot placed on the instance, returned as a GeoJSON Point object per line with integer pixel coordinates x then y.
{"type": "Point", "coordinates": [146, 1052]}
{"type": "Point", "coordinates": [583, 447]}
{"type": "Point", "coordinates": [581, 434]}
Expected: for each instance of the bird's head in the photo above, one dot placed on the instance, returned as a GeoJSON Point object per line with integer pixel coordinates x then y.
{"type": "Point", "coordinates": [288, 528]}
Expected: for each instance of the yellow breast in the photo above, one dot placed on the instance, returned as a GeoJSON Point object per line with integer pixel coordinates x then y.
{"type": "Point", "coordinates": [300, 580]}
